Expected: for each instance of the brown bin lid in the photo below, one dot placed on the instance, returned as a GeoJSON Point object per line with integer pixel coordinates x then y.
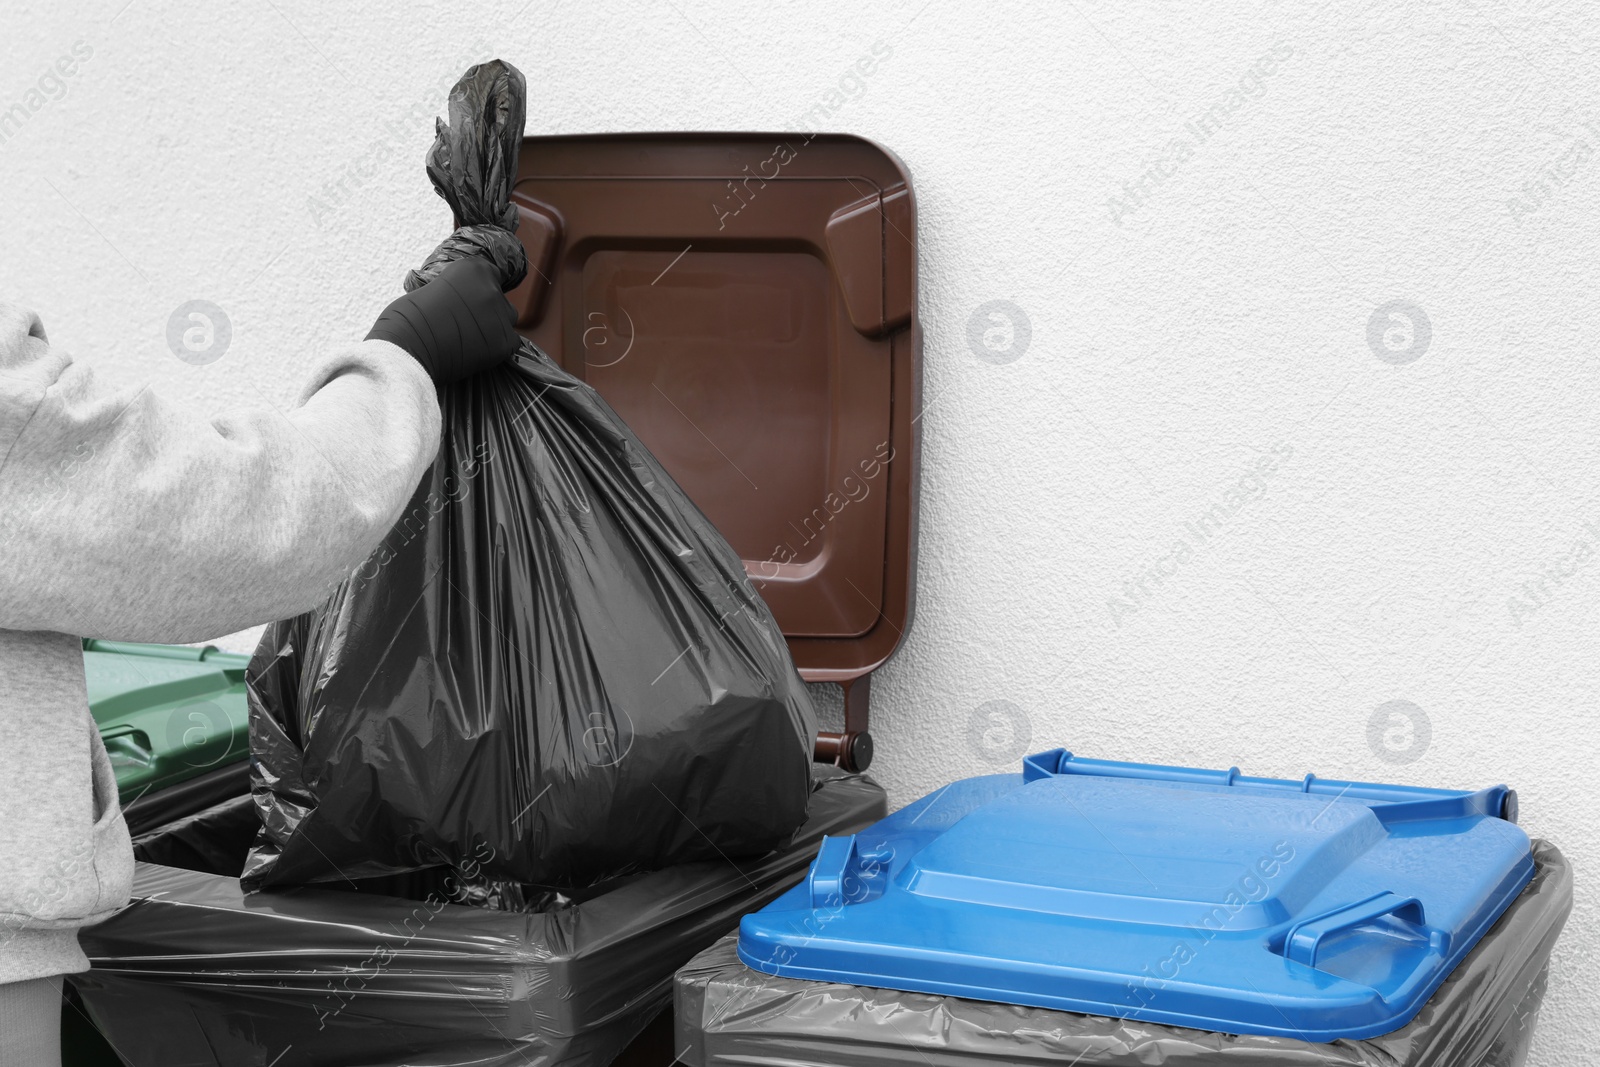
{"type": "Point", "coordinates": [747, 304]}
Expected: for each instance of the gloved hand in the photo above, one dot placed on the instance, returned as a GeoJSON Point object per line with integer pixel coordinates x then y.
{"type": "Point", "coordinates": [456, 325]}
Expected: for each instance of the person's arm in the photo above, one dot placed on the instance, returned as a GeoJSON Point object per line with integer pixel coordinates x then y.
{"type": "Point", "coordinates": [123, 516]}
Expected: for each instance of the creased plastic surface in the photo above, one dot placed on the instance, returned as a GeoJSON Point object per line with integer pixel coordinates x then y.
{"type": "Point", "coordinates": [215, 839]}
{"type": "Point", "coordinates": [1482, 1016]}
{"type": "Point", "coordinates": [196, 972]}
{"type": "Point", "coordinates": [554, 670]}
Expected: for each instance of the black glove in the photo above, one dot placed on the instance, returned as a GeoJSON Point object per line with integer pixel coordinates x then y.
{"type": "Point", "coordinates": [456, 325]}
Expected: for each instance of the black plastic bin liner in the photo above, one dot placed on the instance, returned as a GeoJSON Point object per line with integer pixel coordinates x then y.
{"type": "Point", "coordinates": [214, 840]}
{"type": "Point", "coordinates": [1482, 1016]}
{"type": "Point", "coordinates": [554, 668]}
{"type": "Point", "coordinates": [196, 972]}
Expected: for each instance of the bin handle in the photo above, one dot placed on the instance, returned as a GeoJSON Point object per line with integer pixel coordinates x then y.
{"type": "Point", "coordinates": [1305, 938]}
{"type": "Point", "coordinates": [129, 742]}
{"type": "Point", "coordinates": [845, 873]}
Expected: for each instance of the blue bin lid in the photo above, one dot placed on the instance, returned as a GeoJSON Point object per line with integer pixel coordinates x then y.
{"type": "Point", "coordinates": [1311, 909]}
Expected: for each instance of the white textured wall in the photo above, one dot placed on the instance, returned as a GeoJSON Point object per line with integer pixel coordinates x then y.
{"type": "Point", "coordinates": [1197, 306]}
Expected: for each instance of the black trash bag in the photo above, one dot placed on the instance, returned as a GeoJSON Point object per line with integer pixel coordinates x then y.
{"type": "Point", "coordinates": [554, 669]}
{"type": "Point", "coordinates": [196, 973]}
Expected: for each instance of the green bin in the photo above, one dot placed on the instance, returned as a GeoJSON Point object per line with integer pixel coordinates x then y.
{"type": "Point", "coordinates": [176, 724]}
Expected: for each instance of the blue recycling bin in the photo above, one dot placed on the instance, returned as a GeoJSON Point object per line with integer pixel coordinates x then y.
{"type": "Point", "coordinates": [1137, 902]}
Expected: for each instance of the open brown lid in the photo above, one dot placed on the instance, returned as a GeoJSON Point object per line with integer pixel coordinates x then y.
{"type": "Point", "coordinates": [747, 304]}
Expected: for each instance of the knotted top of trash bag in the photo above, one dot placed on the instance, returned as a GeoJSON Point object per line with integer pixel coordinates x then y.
{"type": "Point", "coordinates": [473, 164]}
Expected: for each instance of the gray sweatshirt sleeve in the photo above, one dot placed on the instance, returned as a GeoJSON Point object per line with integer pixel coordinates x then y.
{"type": "Point", "coordinates": [122, 516]}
